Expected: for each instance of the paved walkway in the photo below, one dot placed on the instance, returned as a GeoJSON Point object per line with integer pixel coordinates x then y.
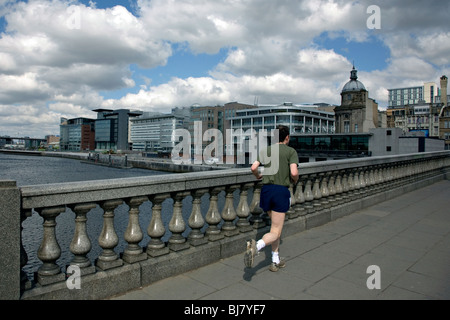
{"type": "Point", "coordinates": [408, 238]}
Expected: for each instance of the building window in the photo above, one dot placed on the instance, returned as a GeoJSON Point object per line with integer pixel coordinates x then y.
{"type": "Point", "coordinates": [346, 126]}
{"type": "Point", "coordinates": [388, 132]}
{"type": "Point", "coordinates": [388, 148]}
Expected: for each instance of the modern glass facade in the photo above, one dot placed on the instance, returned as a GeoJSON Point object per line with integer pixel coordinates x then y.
{"type": "Point", "coordinates": [76, 134]}
{"type": "Point", "coordinates": [403, 96]}
{"type": "Point", "coordinates": [303, 119]}
{"type": "Point", "coordinates": [155, 133]}
{"type": "Point", "coordinates": [349, 145]}
{"type": "Point", "coordinates": [112, 129]}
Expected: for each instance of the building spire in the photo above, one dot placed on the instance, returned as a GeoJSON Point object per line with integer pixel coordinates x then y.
{"type": "Point", "coordinates": [353, 73]}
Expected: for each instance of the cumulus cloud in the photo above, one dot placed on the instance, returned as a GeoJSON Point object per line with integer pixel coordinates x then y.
{"type": "Point", "coordinates": [58, 58]}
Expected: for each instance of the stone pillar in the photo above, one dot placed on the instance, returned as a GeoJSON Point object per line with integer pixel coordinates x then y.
{"type": "Point", "coordinates": [255, 209]}
{"type": "Point", "coordinates": [213, 217]}
{"type": "Point", "coordinates": [49, 250]}
{"type": "Point", "coordinates": [9, 240]}
{"type": "Point", "coordinates": [108, 239]}
{"type": "Point", "coordinates": [243, 209]}
{"type": "Point", "coordinates": [81, 244]}
{"type": "Point", "coordinates": [156, 229]}
{"type": "Point", "coordinates": [177, 225]}
{"type": "Point", "coordinates": [229, 213]}
{"type": "Point", "coordinates": [133, 234]}
{"type": "Point", "coordinates": [196, 220]}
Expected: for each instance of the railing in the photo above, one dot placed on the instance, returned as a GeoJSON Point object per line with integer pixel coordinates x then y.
{"type": "Point", "coordinates": [223, 211]}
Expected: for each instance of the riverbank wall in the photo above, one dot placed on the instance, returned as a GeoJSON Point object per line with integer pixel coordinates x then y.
{"type": "Point", "coordinates": [121, 161]}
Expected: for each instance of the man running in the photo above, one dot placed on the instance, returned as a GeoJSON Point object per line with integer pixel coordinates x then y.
{"type": "Point", "coordinates": [275, 195]}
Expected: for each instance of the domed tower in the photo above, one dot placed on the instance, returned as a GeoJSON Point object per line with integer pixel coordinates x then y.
{"type": "Point", "coordinates": [357, 112]}
{"type": "Point", "coordinates": [354, 93]}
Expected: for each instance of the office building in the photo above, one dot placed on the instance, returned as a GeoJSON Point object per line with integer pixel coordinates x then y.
{"type": "Point", "coordinates": [155, 132]}
{"type": "Point", "coordinates": [77, 134]}
{"type": "Point", "coordinates": [399, 97]}
{"type": "Point", "coordinates": [112, 129]}
{"type": "Point", "coordinates": [299, 118]}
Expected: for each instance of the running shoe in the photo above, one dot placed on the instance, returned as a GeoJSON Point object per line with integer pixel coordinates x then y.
{"type": "Point", "coordinates": [274, 267]}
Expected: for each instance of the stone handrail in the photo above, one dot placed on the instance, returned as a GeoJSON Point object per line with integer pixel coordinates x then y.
{"type": "Point", "coordinates": [326, 191]}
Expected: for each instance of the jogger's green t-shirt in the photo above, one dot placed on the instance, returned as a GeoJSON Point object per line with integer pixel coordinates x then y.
{"type": "Point", "coordinates": [276, 168]}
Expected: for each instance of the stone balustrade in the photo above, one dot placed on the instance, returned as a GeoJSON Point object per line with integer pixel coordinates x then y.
{"type": "Point", "coordinates": [224, 212]}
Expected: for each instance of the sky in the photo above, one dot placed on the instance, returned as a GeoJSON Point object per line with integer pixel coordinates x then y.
{"type": "Point", "coordinates": [65, 58]}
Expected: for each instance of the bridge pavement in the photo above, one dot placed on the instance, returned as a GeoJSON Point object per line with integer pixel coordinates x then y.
{"type": "Point", "coordinates": [408, 238]}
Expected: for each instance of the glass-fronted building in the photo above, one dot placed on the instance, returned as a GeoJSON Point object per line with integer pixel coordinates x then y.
{"type": "Point", "coordinates": [335, 146]}
{"type": "Point", "coordinates": [112, 129]}
{"type": "Point", "coordinates": [155, 133]}
{"type": "Point", "coordinates": [305, 119]}
{"type": "Point", "coordinates": [77, 134]}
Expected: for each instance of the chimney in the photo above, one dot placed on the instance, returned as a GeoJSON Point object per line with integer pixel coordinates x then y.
{"type": "Point", "coordinates": [444, 81]}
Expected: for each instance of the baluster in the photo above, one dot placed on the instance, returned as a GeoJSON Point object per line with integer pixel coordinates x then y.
{"type": "Point", "coordinates": [339, 188]}
{"type": "Point", "coordinates": [409, 172]}
{"type": "Point", "coordinates": [108, 239]}
{"type": "Point", "coordinates": [381, 177]}
{"type": "Point", "coordinates": [243, 210]}
{"type": "Point", "coordinates": [255, 209]}
{"type": "Point", "coordinates": [346, 192]}
{"type": "Point", "coordinates": [332, 189]}
{"type": "Point", "coordinates": [316, 193]}
{"type": "Point", "coordinates": [353, 183]}
{"type": "Point", "coordinates": [156, 229]}
{"type": "Point", "coordinates": [133, 234]}
{"type": "Point", "coordinates": [25, 284]}
{"type": "Point", "coordinates": [299, 198]}
{"type": "Point", "coordinates": [362, 183]}
{"type": "Point", "coordinates": [376, 179]}
{"type": "Point", "coordinates": [196, 221]}
{"type": "Point", "coordinates": [350, 186]}
{"type": "Point", "coordinates": [325, 203]}
{"type": "Point", "coordinates": [385, 176]}
{"type": "Point", "coordinates": [81, 244]}
{"type": "Point", "coordinates": [49, 250]}
{"type": "Point", "coordinates": [177, 225]}
{"type": "Point", "coordinates": [229, 213]}
{"type": "Point", "coordinates": [371, 179]}
{"type": "Point", "coordinates": [309, 196]}
{"type": "Point", "coordinates": [213, 217]}
{"type": "Point", "coordinates": [290, 214]}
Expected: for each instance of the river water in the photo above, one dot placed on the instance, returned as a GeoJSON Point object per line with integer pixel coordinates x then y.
{"type": "Point", "coordinates": [34, 170]}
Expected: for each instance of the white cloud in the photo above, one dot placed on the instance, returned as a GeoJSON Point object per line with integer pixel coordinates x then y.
{"type": "Point", "coordinates": [56, 56]}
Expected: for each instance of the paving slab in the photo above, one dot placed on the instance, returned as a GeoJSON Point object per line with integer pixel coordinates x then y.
{"type": "Point", "coordinates": [408, 238]}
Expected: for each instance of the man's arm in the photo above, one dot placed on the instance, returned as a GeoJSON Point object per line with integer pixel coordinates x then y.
{"type": "Point", "coordinates": [294, 172]}
{"type": "Point", "coordinates": [255, 170]}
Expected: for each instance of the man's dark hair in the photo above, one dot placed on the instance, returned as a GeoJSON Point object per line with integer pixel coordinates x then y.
{"type": "Point", "coordinates": [283, 132]}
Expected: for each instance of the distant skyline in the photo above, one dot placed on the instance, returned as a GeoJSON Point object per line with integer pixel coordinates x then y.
{"type": "Point", "coordinates": [64, 58]}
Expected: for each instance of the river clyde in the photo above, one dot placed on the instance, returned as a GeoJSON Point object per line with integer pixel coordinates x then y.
{"type": "Point", "coordinates": [36, 170]}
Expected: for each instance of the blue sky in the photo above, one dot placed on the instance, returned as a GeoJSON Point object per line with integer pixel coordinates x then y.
{"type": "Point", "coordinates": [64, 58]}
{"type": "Point", "coordinates": [369, 55]}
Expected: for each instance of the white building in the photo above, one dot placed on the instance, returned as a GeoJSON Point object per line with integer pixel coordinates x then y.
{"type": "Point", "coordinates": [306, 119]}
{"type": "Point", "coordinates": [155, 132]}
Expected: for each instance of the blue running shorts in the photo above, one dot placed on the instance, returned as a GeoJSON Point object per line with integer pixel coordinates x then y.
{"type": "Point", "coordinates": [275, 197]}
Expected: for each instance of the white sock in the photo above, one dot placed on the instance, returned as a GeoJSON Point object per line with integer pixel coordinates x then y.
{"type": "Point", "coordinates": [260, 244]}
{"type": "Point", "coordinates": [275, 257]}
